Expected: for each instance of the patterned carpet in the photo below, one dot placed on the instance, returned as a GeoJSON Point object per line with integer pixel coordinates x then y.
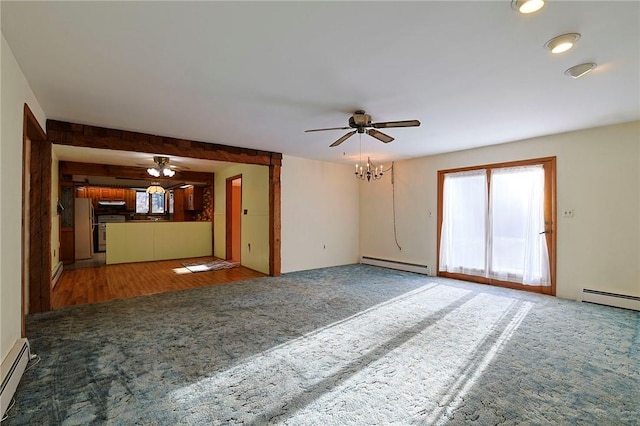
{"type": "Point", "coordinates": [345, 345]}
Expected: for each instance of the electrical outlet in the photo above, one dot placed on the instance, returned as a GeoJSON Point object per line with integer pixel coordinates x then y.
{"type": "Point", "coordinates": [567, 213]}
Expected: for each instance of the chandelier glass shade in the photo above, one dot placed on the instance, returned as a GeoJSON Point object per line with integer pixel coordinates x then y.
{"type": "Point", "coordinates": [155, 188]}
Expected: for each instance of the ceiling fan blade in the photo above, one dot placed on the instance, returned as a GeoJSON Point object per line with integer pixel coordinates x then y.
{"type": "Point", "coordinates": [379, 135]}
{"type": "Point", "coordinates": [329, 128]}
{"type": "Point", "coordinates": [342, 139]}
{"type": "Point", "coordinates": [386, 124]}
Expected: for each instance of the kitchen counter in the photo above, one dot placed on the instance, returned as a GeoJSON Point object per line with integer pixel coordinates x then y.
{"type": "Point", "coordinates": [148, 240]}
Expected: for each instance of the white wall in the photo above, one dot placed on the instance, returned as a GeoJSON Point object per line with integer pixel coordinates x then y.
{"type": "Point", "coordinates": [319, 214]}
{"type": "Point", "coordinates": [15, 93]}
{"type": "Point", "coordinates": [598, 176]}
{"type": "Point", "coordinates": [254, 228]}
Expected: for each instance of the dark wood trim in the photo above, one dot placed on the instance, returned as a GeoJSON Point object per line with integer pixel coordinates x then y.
{"type": "Point", "coordinates": [528, 162]}
{"type": "Point", "coordinates": [211, 207]}
{"type": "Point", "coordinates": [550, 217]}
{"type": "Point", "coordinates": [274, 219]}
{"type": "Point", "coordinates": [82, 135]}
{"type": "Point", "coordinates": [498, 283]}
{"type": "Point", "coordinates": [39, 257]}
{"type": "Point", "coordinates": [127, 172]}
{"type": "Point", "coordinates": [229, 216]}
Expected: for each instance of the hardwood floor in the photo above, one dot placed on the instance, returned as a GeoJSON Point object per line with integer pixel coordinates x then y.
{"type": "Point", "coordinates": [109, 282]}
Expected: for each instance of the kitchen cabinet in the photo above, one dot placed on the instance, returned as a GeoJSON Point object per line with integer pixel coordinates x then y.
{"type": "Point", "coordinates": [94, 193]}
{"type": "Point", "coordinates": [111, 194]}
{"type": "Point", "coordinates": [179, 205]}
{"type": "Point", "coordinates": [117, 194]}
{"type": "Point", "coordinates": [130, 199]}
{"type": "Point", "coordinates": [194, 198]}
{"type": "Point", "coordinates": [105, 194]}
{"type": "Point", "coordinates": [97, 193]}
{"type": "Point", "coordinates": [81, 192]}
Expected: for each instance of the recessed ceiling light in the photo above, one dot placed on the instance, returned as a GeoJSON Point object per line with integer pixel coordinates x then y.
{"type": "Point", "coordinates": [578, 71]}
{"type": "Point", "coordinates": [562, 43]}
{"type": "Point", "coordinates": [527, 6]}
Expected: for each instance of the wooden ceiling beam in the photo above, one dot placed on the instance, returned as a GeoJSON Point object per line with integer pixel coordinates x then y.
{"type": "Point", "coordinates": [128, 172]}
{"type": "Point", "coordinates": [82, 135]}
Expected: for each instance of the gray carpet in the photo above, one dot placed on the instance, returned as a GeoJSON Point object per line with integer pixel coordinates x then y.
{"type": "Point", "coordinates": [346, 345]}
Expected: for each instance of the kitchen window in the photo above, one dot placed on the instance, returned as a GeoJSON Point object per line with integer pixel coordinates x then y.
{"type": "Point", "coordinates": [146, 203]}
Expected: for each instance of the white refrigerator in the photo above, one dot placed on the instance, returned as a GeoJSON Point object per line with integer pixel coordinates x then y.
{"type": "Point", "coordinates": [83, 220]}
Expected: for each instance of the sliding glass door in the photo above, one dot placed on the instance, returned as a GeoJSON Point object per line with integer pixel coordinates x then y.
{"type": "Point", "coordinates": [496, 224]}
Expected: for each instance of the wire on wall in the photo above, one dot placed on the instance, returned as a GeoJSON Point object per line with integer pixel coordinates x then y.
{"type": "Point", "coordinates": [393, 194]}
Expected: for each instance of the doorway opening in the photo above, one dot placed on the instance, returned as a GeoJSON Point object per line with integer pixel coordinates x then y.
{"type": "Point", "coordinates": [234, 219]}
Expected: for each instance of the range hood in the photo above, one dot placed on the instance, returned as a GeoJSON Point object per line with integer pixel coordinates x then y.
{"type": "Point", "coordinates": [112, 203]}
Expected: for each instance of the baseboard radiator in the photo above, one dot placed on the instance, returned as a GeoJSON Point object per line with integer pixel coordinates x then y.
{"type": "Point", "coordinates": [12, 368]}
{"type": "Point", "coordinates": [611, 299]}
{"type": "Point", "coordinates": [394, 264]}
{"type": "Point", "coordinates": [56, 275]}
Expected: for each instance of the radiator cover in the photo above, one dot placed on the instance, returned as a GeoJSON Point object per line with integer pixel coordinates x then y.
{"type": "Point", "coordinates": [12, 368]}
{"type": "Point", "coordinates": [394, 264]}
{"type": "Point", "coordinates": [610, 299]}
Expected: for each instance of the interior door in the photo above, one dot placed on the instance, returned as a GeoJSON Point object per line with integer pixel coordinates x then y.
{"type": "Point", "coordinates": [234, 219]}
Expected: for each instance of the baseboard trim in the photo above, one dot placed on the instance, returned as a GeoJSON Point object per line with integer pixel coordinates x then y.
{"type": "Point", "coordinates": [617, 300]}
{"type": "Point", "coordinates": [57, 272]}
{"type": "Point", "coordinates": [12, 369]}
{"type": "Point", "coordinates": [395, 264]}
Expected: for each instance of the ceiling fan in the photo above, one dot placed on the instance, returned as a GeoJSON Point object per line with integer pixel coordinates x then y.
{"type": "Point", "coordinates": [361, 122]}
{"type": "Point", "coordinates": [162, 167]}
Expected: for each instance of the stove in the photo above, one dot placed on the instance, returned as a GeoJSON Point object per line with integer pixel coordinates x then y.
{"type": "Point", "coordinates": [102, 228]}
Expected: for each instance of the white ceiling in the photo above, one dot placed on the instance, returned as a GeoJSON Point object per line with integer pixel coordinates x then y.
{"type": "Point", "coordinates": [257, 74]}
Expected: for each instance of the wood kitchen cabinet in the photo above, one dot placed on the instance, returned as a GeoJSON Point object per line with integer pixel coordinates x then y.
{"type": "Point", "coordinates": [81, 192]}
{"type": "Point", "coordinates": [94, 193]}
{"type": "Point", "coordinates": [105, 193]}
{"type": "Point", "coordinates": [194, 196]}
{"type": "Point", "coordinates": [179, 205]}
{"type": "Point", "coordinates": [130, 199]}
{"type": "Point", "coordinates": [117, 194]}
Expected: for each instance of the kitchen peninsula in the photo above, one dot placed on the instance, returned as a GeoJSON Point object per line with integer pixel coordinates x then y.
{"type": "Point", "coordinates": [142, 241]}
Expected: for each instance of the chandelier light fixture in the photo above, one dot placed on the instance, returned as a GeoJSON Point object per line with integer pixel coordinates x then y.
{"type": "Point", "coordinates": [369, 171]}
{"type": "Point", "coordinates": [162, 167]}
{"type": "Point", "coordinates": [155, 188]}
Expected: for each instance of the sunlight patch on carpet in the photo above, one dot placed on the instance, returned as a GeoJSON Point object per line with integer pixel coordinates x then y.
{"type": "Point", "coordinates": [415, 346]}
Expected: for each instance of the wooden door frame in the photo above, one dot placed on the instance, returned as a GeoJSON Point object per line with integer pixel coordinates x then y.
{"type": "Point", "coordinates": [228, 215]}
{"type": "Point", "coordinates": [550, 211]}
{"type": "Point", "coordinates": [38, 261]}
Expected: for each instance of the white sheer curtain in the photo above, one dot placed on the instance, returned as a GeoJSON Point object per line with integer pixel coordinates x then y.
{"type": "Point", "coordinates": [517, 250]}
{"type": "Point", "coordinates": [464, 223]}
{"type": "Point", "coordinates": [496, 235]}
